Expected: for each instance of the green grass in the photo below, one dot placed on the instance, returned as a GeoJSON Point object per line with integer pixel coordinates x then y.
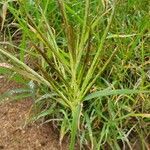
{"type": "Point", "coordinates": [92, 68]}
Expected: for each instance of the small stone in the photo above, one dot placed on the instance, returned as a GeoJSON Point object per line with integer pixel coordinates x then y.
{"type": "Point", "coordinates": [23, 131]}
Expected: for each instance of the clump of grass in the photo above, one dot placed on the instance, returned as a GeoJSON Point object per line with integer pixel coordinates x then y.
{"type": "Point", "coordinates": [85, 64]}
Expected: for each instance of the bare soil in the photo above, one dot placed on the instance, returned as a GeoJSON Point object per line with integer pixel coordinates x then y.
{"type": "Point", "coordinates": [14, 135]}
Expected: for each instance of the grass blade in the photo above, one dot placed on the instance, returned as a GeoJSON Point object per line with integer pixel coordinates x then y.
{"type": "Point", "coordinates": [102, 93]}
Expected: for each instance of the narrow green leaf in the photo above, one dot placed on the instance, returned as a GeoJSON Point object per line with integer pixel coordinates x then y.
{"type": "Point", "coordinates": [45, 113]}
{"type": "Point", "coordinates": [102, 93]}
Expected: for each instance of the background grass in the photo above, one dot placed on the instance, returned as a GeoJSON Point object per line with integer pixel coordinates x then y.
{"type": "Point", "coordinates": [91, 75]}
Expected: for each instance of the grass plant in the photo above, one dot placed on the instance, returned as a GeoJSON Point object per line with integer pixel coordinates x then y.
{"type": "Point", "coordinates": [92, 74]}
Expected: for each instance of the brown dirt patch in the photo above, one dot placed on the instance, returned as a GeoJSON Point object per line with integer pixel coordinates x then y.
{"type": "Point", "coordinates": [13, 134]}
